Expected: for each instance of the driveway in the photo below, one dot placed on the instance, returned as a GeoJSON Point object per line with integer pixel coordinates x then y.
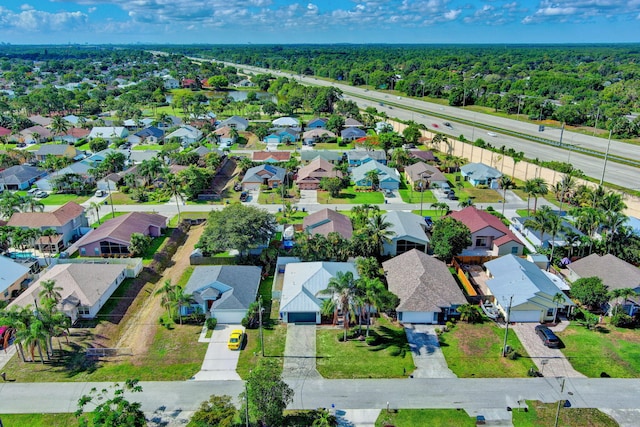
{"type": "Point", "coordinates": [426, 352]}
{"type": "Point", "coordinates": [300, 352]}
{"type": "Point", "coordinates": [252, 198]}
{"type": "Point", "coordinates": [550, 361]}
{"type": "Point", "coordinates": [220, 363]}
{"type": "Point", "coordinates": [308, 197]}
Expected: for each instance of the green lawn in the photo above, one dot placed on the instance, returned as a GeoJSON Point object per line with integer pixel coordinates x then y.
{"type": "Point", "coordinates": [409, 196]}
{"type": "Point", "coordinates": [174, 355]}
{"type": "Point", "coordinates": [610, 350]}
{"type": "Point", "coordinates": [425, 417]}
{"type": "Point", "coordinates": [145, 147]}
{"type": "Point", "coordinates": [156, 243]}
{"type": "Point", "coordinates": [483, 195]}
{"type": "Point", "coordinates": [275, 336]}
{"type": "Point", "coordinates": [435, 214]}
{"type": "Point", "coordinates": [173, 222]}
{"type": "Point", "coordinates": [61, 199]}
{"type": "Point", "coordinates": [107, 217]}
{"type": "Point", "coordinates": [39, 420]}
{"type": "Point", "coordinates": [474, 351]}
{"type": "Point", "coordinates": [350, 196]}
{"type": "Point", "coordinates": [544, 415]}
{"type": "Point", "coordinates": [274, 196]}
{"type": "Point", "coordinates": [389, 358]}
{"type": "Point", "coordinates": [295, 218]}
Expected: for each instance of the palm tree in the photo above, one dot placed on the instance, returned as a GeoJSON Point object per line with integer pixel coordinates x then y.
{"type": "Point", "coordinates": [167, 291]}
{"type": "Point", "coordinates": [373, 176]}
{"type": "Point", "coordinates": [33, 337]}
{"type": "Point", "coordinates": [546, 221]}
{"type": "Point", "coordinates": [465, 203]}
{"type": "Point", "coordinates": [180, 299]}
{"type": "Point", "coordinates": [245, 164]}
{"type": "Point", "coordinates": [540, 189]}
{"type": "Point", "coordinates": [59, 125]}
{"type": "Point", "coordinates": [50, 293]}
{"type": "Point", "coordinates": [342, 287]}
{"type": "Point", "coordinates": [31, 204]}
{"type": "Point", "coordinates": [469, 313]}
{"type": "Point", "coordinates": [442, 208]}
{"type": "Point", "coordinates": [370, 290]}
{"type": "Point", "coordinates": [96, 207]}
{"type": "Point", "coordinates": [505, 183]}
{"type": "Point", "coordinates": [557, 299]}
{"type": "Point", "coordinates": [530, 189]}
{"type": "Point", "coordinates": [623, 294]}
{"type": "Point", "coordinates": [378, 232]}
{"type": "Point", "coordinates": [613, 222]}
{"type": "Point", "coordinates": [173, 187]}
{"type": "Point", "coordinates": [611, 202]}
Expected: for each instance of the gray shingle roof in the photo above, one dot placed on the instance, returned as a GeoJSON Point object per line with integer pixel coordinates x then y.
{"type": "Point", "coordinates": [422, 282]}
{"type": "Point", "coordinates": [614, 272]}
{"type": "Point", "coordinates": [235, 285]}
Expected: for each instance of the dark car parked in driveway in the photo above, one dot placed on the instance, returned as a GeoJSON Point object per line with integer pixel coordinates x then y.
{"type": "Point", "coordinates": [547, 336]}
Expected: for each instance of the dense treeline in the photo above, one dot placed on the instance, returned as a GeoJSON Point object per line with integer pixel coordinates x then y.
{"type": "Point", "coordinates": [576, 84]}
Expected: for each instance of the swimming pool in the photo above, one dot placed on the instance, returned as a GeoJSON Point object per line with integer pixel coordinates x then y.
{"type": "Point", "coordinates": [21, 255]}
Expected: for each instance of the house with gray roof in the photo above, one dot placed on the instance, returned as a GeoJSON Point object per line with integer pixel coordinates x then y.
{"type": "Point", "coordinates": [12, 279]}
{"type": "Point", "coordinates": [421, 174]}
{"type": "Point", "coordinates": [388, 178]}
{"type": "Point", "coordinates": [109, 133]}
{"type": "Point", "coordinates": [56, 150]}
{"type": "Point", "coordinates": [20, 177]}
{"type": "Point", "coordinates": [236, 122]}
{"type": "Point", "coordinates": [409, 232]}
{"type": "Point", "coordinates": [481, 174]}
{"type": "Point", "coordinates": [327, 221]}
{"type": "Point", "coordinates": [223, 291]}
{"type": "Point", "coordinates": [269, 175]}
{"type": "Point", "coordinates": [522, 288]}
{"type": "Point", "coordinates": [302, 288]}
{"type": "Point", "coordinates": [358, 157]}
{"type": "Point", "coordinates": [85, 288]}
{"type": "Point", "coordinates": [426, 288]}
{"type": "Point", "coordinates": [330, 156]}
{"type": "Point", "coordinates": [186, 134]}
{"type": "Point", "coordinates": [352, 133]}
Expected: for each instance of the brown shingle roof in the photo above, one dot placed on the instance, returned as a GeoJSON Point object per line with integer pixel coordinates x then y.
{"type": "Point", "coordinates": [318, 168]}
{"type": "Point", "coordinates": [614, 272]}
{"type": "Point", "coordinates": [277, 156]}
{"type": "Point", "coordinates": [432, 173]}
{"type": "Point", "coordinates": [422, 282]}
{"type": "Point", "coordinates": [327, 221]}
{"type": "Point", "coordinates": [57, 218]}
{"type": "Point", "coordinates": [122, 227]}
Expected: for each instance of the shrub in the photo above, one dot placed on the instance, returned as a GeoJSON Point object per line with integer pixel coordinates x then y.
{"type": "Point", "coordinates": [449, 325]}
{"type": "Point", "coordinates": [211, 323]}
{"type": "Point", "coordinates": [622, 320]}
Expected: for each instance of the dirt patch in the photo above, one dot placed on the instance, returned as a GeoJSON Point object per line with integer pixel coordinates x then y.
{"type": "Point", "coordinates": [141, 328]}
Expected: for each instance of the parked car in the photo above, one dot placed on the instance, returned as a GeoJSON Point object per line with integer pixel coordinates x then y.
{"type": "Point", "coordinates": [388, 193]}
{"type": "Point", "coordinates": [33, 191]}
{"type": "Point", "coordinates": [100, 193]}
{"type": "Point", "coordinates": [547, 336]}
{"type": "Point", "coordinates": [235, 340]}
{"type": "Point", "coordinates": [244, 196]}
{"type": "Point", "coordinates": [452, 196]}
{"type": "Point", "coordinates": [41, 194]}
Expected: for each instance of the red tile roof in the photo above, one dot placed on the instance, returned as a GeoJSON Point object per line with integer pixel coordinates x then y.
{"type": "Point", "coordinates": [477, 219]}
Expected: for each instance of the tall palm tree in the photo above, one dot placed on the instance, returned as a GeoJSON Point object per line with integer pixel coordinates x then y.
{"type": "Point", "coordinates": [540, 189]}
{"type": "Point", "coordinates": [557, 299]}
{"type": "Point", "coordinates": [505, 183]}
{"type": "Point", "coordinates": [167, 291]}
{"type": "Point", "coordinates": [50, 292]}
{"type": "Point", "coordinates": [442, 208]}
{"type": "Point", "coordinates": [530, 189]}
{"type": "Point", "coordinates": [379, 232]}
{"type": "Point", "coordinates": [59, 125]}
{"type": "Point", "coordinates": [373, 176]}
{"type": "Point", "coordinates": [96, 207]}
{"type": "Point", "coordinates": [342, 288]}
{"type": "Point", "coordinates": [181, 299]}
{"type": "Point", "coordinates": [173, 187]}
{"type": "Point", "coordinates": [613, 222]}
{"type": "Point", "coordinates": [31, 204]}
{"type": "Point", "coordinates": [545, 220]}
{"type": "Point", "coordinates": [611, 202]}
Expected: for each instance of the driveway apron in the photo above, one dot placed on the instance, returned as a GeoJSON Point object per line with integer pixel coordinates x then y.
{"type": "Point", "coordinates": [550, 361]}
{"type": "Point", "coordinates": [219, 362]}
{"type": "Point", "coordinates": [426, 352]}
{"type": "Point", "coordinates": [300, 352]}
{"type": "Point", "coordinates": [308, 197]}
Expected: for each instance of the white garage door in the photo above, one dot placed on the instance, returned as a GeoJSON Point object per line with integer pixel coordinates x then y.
{"type": "Point", "coordinates": [250, 186]}
{"type": "Point", "coordinates": [418, 317]}
{"type": "Point", "coordinates": [525, 316]}
{"type": "Point", "coordinates": [229, 316]}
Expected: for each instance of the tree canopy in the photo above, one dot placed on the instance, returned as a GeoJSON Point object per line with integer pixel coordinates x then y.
{"type": "Point", "coordinates": [590, 291]}
{"type": "Point", "coordinates": [238, 227]}
{"type": "Point", "coordinates": [449, 237]}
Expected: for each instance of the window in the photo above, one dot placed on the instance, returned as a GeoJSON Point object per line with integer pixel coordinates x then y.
{"type": "Point", "coordinates": [481, 242]}
{"type": "Point", "coordinates": [403, 246]}
{"type": "Point", "coordinates": [514, 250]}
{"type": "Point", "coordinates": [550, 312]}
{"type": "Point", "coordinates": [84, 310]}
{"type": "Point", "coordinates": [83, 251]}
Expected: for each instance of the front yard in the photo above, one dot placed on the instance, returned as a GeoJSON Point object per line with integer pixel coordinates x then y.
{"type": "Point", "coordinates": [410, 196]}
{"type": "Point", "coordinates": [475, 351]}
{"type": "Point", "coordinates": [425, 417]}
{"type": "Point", "coordinates": [606, 351]}
{"type": "Point", "coordinates": [544, 414]}
{"type": "Point", "coordinates": [390, 357]}
{"type": "Point", "coordinates": [350, 196]}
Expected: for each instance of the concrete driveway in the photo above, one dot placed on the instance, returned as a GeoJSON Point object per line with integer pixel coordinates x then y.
{"type": "Point", "coordinates": [220, 363]}
{"type": "Point", "coordinates": [426, 352]}
{"type": "Point", "coordinates": [308, 197]}
{"type": "Point", "coordinates": [550, 361]}
{"type": "Point", "coordinates": [300, 352]}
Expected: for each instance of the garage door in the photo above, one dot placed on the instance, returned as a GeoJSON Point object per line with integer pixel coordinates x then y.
{"type": "Point", "coordinates": [301, 317]}
{"type": "Point", "coordinates": [525, 316]}
{"type": "Point", "coordinates": [229, 316]}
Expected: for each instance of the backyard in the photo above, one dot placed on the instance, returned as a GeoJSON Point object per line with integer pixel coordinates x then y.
{"type": "Point", "coordinates": [605, 351]}
{"type": "Point", "coordinates": [474, 351]}
{"type": "Point", "coordinates": [388, 357]}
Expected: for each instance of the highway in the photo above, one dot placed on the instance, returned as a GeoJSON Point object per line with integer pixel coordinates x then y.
{"type": "Point", "coordinates": [477, 125]}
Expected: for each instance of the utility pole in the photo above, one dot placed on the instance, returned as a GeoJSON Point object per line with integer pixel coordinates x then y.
{"type": "Point", "coordinates": [260, 318]}
{"type": "Point", "coordinates": [559, 403]}
{"type": "Point", "coordinates": [246, 408]}
{"type": "Point", "coordinates": [506, 331]}
{"type": "Point", "coordinates": [606, 157]}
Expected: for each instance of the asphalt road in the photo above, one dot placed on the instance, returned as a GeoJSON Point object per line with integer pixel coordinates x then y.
{"type": "Point", "coordinates": [616, 173]}
{"type": "Point", "coordinates": [354, 394]}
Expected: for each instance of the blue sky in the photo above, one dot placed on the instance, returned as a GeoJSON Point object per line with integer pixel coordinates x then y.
{"type": "Point", "coordinates": [319, 21]}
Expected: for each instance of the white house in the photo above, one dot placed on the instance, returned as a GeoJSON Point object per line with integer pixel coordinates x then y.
{"type": "Point", "coordinates": [109, 133]}
{"type": "Point", "coordinates": [187, 135]}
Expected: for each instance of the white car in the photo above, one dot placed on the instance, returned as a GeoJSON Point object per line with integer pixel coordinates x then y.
{"type": "Point", "coordinates": [492, 134]}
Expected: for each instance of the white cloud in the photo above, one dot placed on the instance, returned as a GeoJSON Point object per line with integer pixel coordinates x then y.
{"type": "Point", "coordinates": [29, 19]}
{"type": "Point", "coordinates": [582, 10]}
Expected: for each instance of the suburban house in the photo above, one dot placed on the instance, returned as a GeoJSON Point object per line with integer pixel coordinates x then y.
{"type": "Point", "coordinates": [132, 124]}
{"type": "Point", "coordinates": [35, 134]}
{"type": "Point", "coordinates": [544, 241]}
{"type": "Point", "coordinates": [388, 178]}
{"type": "Point", "coordinates": [223, 291]}
{"type": "Point", "coordinates": [236, 122]}
{"type": "Point", "coordinates": [282, 136]}
{"type": "Point", "coordinates": [481, 174]}
{"type": "Point", "coordinates": [286, 122]}
{"type": "Point", "coordinates": [422, 175]}
{"type": "Point", "coordinates": [170, 82]}
{"type": "Point", "coordinates": [72, 136]}
{"type": "Point", "coordinates": [317, 123]}
{"type": "Point", "coordinates": [359, 157]}
{"type": "Point", "coordinates": [150, 135]}
{"type": "Point", "coordinates": [271, 156]}
{"type": "Point", "coordinates": [328, 221]}
{"type": "Point", "coordinates": [424, 156]}
{"type": "Point", "coordinates": [302, 287]}
{"type": "Point", "coordinates": [20, 177]}
{"type": "Point", "coordinates": [109, 133]}
{"type": "Point", "coordinates": [12, 279]}
{"type": "Point", "coordinates": [244, 83]}
{"type": "Point", "coordinates": [350, 122]}
{"type": "Point", "coordinates": [614, 272]}
{"type": "Point", "coordinates": [186, 134]}
{"type": "Point", "coordinates": [330, 156]}
{"type": "Point", "coordinates": [314, 135]}
{"type": "Point", "coordinates": [67, 221]}
{"type": "Point", "coordinates": [489, 235]}
{"type": "Point", "coordinates": [521, 287]}
{"type": "Point", "coordinates": [409, 232]}
{"type": "Point", "coordinates": [40, 120]}
{"type": "Point", "coordinates": [56, 150]}
{"type": "Point", "coordinates": [85, 288]}
{"type": "Point", "coordinates": [352, 133]}
{"type": "Point", "coordinates": [430, 294]}
{"type": "Point", "coordinates": [113, 237]}
{"type": "Point", "coordinates": [224, 136]}
{"type": "Point", "coordinates": [79, 168]}
{"type": "Point", "coordinates": [309, 176]}
{"type": "Point", "coordinates": [269, 175]}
